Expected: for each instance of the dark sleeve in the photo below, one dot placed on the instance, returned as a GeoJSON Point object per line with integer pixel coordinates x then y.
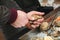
{"type": "Point", "coordinates": [13, 7]}
{"type": "Point", "coordinates": [4, 15]}
{"type": "Point", "coordinates": [7, 15]}
{"type": "Point", "coordinates": [11, 4]}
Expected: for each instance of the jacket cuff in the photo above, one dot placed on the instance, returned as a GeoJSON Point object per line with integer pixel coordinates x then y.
{"type": "Point", "coordinates": [13, 15]}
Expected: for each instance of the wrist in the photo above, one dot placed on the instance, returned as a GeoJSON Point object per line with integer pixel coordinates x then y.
{"type": "Point", "coordinates": [21, 20]}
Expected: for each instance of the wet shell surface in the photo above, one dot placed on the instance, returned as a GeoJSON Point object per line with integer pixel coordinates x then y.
{"type": "Point", "coordinates": [44, 26]}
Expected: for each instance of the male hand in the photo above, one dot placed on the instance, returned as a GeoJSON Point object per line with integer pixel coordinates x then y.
{"type": "Point", "coordinates": [21, 20]}
{"type": "Point", "coordinates": [35, 23]}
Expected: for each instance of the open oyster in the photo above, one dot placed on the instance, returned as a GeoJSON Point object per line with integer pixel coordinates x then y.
{"type": "Point", "coordinates": [44, 26]}
{"type": "Point", "coordinates": [35, 17]}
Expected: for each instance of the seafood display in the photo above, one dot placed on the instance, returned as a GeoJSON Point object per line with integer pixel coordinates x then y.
{"type": "Point", "coordinates": [48, 30]}
{"type": "Point", "coordinates": [55, 34]}
{"type": "Point", "coordinates": [57, 21]}
{"type": "Point", "coordinates": [56, 24]}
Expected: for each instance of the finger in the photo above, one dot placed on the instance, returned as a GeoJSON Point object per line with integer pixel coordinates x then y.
{"type": "Point", "coordinates": [34, 26]}
{"type": "Point", "coordinates": [30, 28]}
{"type": "Point", "coordinates": [28, 25]}
{"type": "Point", "coordinates": [38, 13]}
{"type": "Point", "coordinates": [29, 15]}
{"type": "Point", "coordinates": [36, 23]}
{"type": "Point", "coordinates": [40, 20]}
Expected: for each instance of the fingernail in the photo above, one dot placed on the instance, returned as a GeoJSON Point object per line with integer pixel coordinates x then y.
{"type": "Point", "coordinates": [39, 20]}
{"type": "Point", "coordinates": [32, 26]}
{"type": "Point", "coordinates": [43, 13]}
